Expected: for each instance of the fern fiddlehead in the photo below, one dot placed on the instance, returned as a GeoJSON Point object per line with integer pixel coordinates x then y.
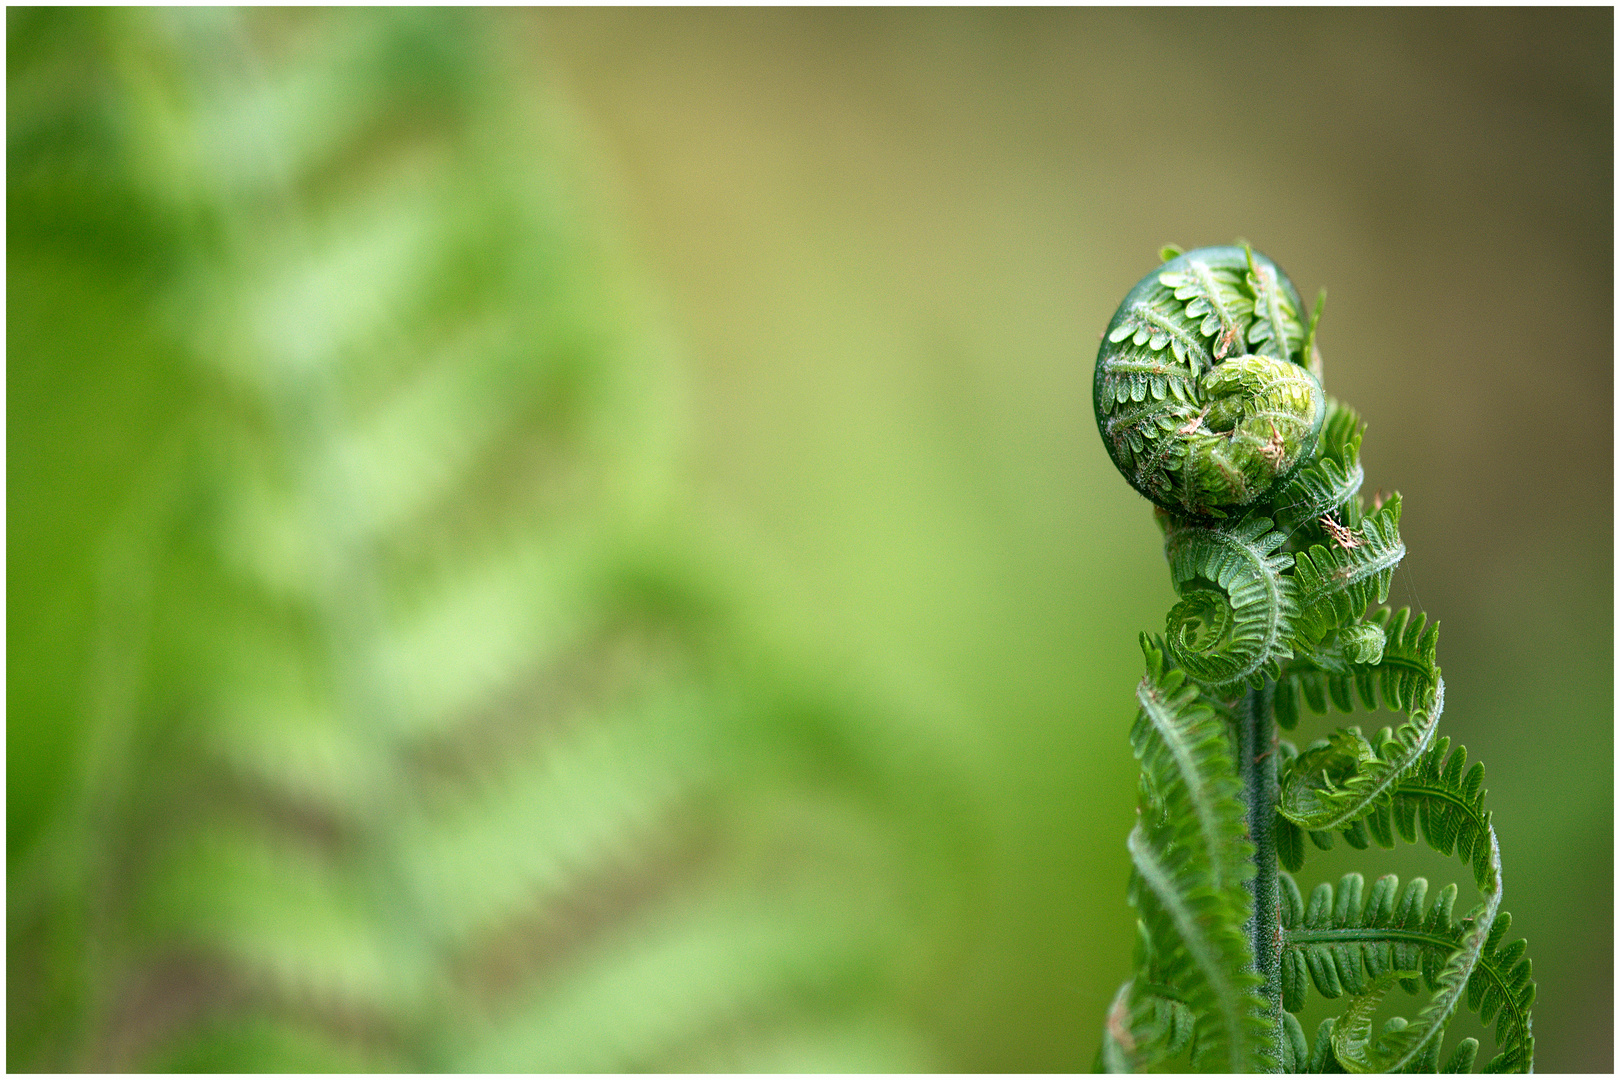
{"type": "Point", "coordinates": [1209, 400]}
{"type": "Point", "coordinates": [1196, 422]}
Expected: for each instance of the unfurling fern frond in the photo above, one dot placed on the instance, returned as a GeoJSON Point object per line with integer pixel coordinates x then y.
{"type": "Point", "coordinates": [1234, 425]}
{"type": "Point", "coordinates": [1148, 1021]}
{"type": "Point", "coordinates": [1385, 800]}
{"type": "Point", "coordinates": [1147, 324]}
{"type": "Point", "coordinates": [1143, 1030]}
{"type": "Point", "coordinates": [1404, 676]}
{"type": "Point", "coordinates": [1190, 861]}
{"type": "Point", "coordinates": [1276, 569]}
{"type": "Point", "coordinates": [1342, 431]}
{"type": "Point", "coordinates": [1215, 296]}
{"type": "Point", "coordinates": [1277, 330]}
{"type": "Point", "coordinates": [1333, 785]}
{"type": "Point", "coordinates": [1448, 798]}
{"type": "Point", "coordinates": [1328, 484]}
{"type": "Point", "coordinates": [1450, 804]}
{"type": "Point", "coordinates": [1234, 623]}
{"type": "Point", "coordinates": [1337, 583]}
{"type": "Point", "coordinates": [1344, 946]}
{"type": "Point", "coordinates": [1418, 1042]}
{"type": "Point", "coordinates": [1501, 989]}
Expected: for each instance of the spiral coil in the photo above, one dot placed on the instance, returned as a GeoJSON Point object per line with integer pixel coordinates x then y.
{"type": "Point", "coordinates": [1203, 390]}
{"type": "Point", "coordinates": [1209, 400]}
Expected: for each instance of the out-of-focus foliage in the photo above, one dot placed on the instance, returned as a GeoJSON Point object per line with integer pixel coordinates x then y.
{"type": "Point", "coordinates": [367, 710]}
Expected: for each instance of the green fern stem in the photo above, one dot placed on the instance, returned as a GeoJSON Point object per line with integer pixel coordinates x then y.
{"type": "Point", "coordinates": [1257, 745]}
{"type": "Point", "coordinates": [1256, 478]}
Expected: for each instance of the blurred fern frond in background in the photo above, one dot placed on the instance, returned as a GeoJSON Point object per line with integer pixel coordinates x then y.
{"type": "Point", "coordinates": [371, 706]}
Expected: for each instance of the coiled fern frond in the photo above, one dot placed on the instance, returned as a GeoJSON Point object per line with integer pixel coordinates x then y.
{"type": "Point", "coordinates": [1277, 562]}
{"type": "Point", "coordinates": [1343, 943]}
{"type": "Point", "coordinates": [1328, 486]}
{"type": "Point", "coordinates": [1232, 625]}
{"type": "Point", "coordinates": [1207, 427]}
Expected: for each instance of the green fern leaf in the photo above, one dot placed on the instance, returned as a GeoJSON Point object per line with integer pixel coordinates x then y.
{"type": "Point", "coordinates": [1150, 322]}
{"type": "Point", "coordinates": [1335, 938]}
{"type": "Point", "coordinates": [637, 999]}
{"type": "Point", "coordinates": [1134, 376]}
{"type": "Point", "coordinates": [1328, 483]}
{"type": "Point", "coordinates": [1418, 1042]}
{"type": "Point", "coordinates": [1322, 1059]}
{"type": "Point", "coordinates": [1143, 1029]}
{"type": "Point", "coordinates": [1342, 432]}
{"type": "Point", "coordinates": [1501, 988]}
{"type": "Point", "coordinates": [1322, 489]}
{"type": "Point", "coordinates": [1404, 676]}
{"type": "Point", "coordinates": [1462, 1060]}
{"type": "Point", "coordinates": [1332, 786]}
{"type": "Point", "coordinates": [1235, 620]}
{"type": "Point", "coordinates": [1214, 300]}
{"type": "Point", "coordinates": [1277, 330]}
{"type": "Point", "coordinates": [1337, 584]}
{"type": "Point", "coordinates": [1308, 354]}
{"type": "Point", "coordinates": [1148, 1022]}
{"type": "Point", "coordinates": [1447, 797]}
{"type": "Point", "coordinates": [1190, 860]}
{"type": "Point", "coordinates": [593, 803]}
{"type": "Point", "coordinates": [421, 752]}
{"type": "Point", "coordinates": [1296, 1055]}
{"type": "Point", "coordinates": [1154, 397]}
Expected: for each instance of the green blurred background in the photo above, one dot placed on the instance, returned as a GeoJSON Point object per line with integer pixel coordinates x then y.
{"type": "Point", "coordinates": [577, 539]}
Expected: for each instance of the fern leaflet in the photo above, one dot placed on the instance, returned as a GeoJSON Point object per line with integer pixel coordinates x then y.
{"type": "Point", "coordinates": [1190, 859]}
{"type": "Point", "coordinates": [1146, 325]}
{"type": "Point", "coordinates": [1214, 300]}
{"type": "Point", "coordinates": [1405, 677]}
{"type": "Point", "coordinates": [1399, 1048]}
{"type": "Point", "coordinates": [1344, 946]}
{"type": "Point", "coordinates": [1329, 483]}
{"type": "Point", "coordinates": [1336, 584]}
{"type": "Point", "coordinates": [1276, 329]}
{"type": "Point", "coordinates": [1236, 617]}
